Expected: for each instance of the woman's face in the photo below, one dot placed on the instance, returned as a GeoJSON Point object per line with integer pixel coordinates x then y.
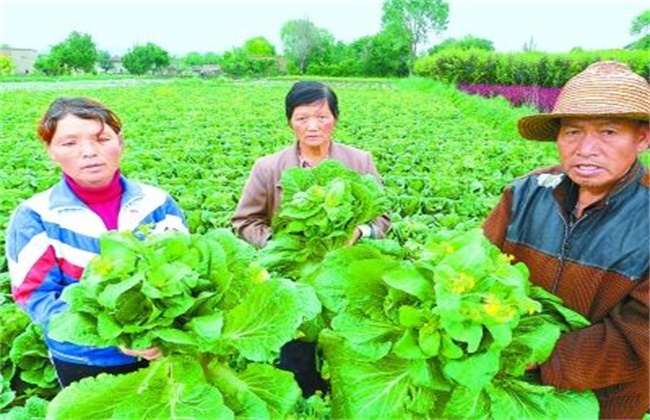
{"type": "Point", "coordinates": [86, 150]}
{"type": "Point", "coordinates": [313, 124]}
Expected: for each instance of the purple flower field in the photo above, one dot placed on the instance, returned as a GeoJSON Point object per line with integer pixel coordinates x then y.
{"type": "Point", "coordinates": [541, 98]}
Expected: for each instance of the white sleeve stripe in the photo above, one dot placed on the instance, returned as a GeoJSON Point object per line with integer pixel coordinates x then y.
{"type": "Point", "coordinates": [35, 249]}
{"type": "Point", "coordinates": [27, 258]}
{"type": "Point", "coordinates": [76, 256]}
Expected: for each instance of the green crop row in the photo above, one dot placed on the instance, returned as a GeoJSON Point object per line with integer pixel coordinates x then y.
{"type": "Point", "coordinates": [444, 155]}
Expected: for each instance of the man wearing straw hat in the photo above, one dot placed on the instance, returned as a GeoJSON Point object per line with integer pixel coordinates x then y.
{"type": "Point", "coordinates": [583, 230]}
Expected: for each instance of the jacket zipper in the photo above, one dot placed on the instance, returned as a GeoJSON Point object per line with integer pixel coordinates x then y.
{"type": "Point", "coordinates": [569, 228]}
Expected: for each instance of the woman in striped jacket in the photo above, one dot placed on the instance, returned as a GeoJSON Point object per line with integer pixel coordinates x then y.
{"type": "Point", "coordinates": [53, 235]}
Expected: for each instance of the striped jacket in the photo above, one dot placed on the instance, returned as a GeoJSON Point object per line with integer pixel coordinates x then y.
{"type": "Point", "coordinates": [599, 266]}
{"type": "Point", "coordinates": [51, 238]}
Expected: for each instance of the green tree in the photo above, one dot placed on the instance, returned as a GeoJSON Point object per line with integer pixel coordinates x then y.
{"type": "Point", "coordinates": [256, 58]}
{"type": "Point", "coordinates": [468, 42]}
{"type": "Point", "coordinates": [385, 54]}
{"type": "Point", "coordinates": [418, 18]}
{"type": "Point", "coordinates": [259, 47]}
{"type": "Point", "coordinates": [76, 53]}
{"type": "Point", "coordinates": [333, 58]}
{"type": "Point", "coordinates": [642, 44]}
{"type": "Point", "coordinates": [299, 40]}
{"type": "Point", "coordinates": [49, 65]}
{"type": "Point", "coordinates": [325, 52]}
{"type": "Point", "coordinates": [104, 60]}
{"type": "Point", "coordinates": [640, 26]}
{"type": "Point", "coordinates": [7, 66]}
{"type": "Point", "coordinates": [211, 58]}
{"type": "Point", "coordinates": [240, 63]}
{"type": "Point", "coordinates": [193, 59]}
{"type": "Point", "coordinates": [145, 58]}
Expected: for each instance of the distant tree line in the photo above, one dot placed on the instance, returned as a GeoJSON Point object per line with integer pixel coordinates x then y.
{"type": "Point", "coordinates": [407, 26]}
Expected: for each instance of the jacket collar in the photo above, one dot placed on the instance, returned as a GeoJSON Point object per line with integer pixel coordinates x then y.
{"type": "Point", "coordinates": [62, 195]}
{"type": "Point", "coordinates": [332, 153]}
{"type": "Point", "coordinates": [566, 193]}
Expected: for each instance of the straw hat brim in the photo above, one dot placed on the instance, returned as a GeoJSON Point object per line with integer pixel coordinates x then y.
{"type": "Point", "coordinates": [545, 127]}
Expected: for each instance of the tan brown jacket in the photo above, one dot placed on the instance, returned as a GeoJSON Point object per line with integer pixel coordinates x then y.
{"type": "Point", "coordinates": [262, 192]}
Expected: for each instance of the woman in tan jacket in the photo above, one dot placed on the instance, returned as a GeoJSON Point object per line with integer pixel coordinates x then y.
{"type": "Point", "coordinates": [312, 112]}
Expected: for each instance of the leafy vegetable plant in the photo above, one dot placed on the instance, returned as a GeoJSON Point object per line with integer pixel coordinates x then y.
{"type": "Point", "coordinates": [25, 368]}
{"type": "Point", "coordinates": [321, 207]}
{"type": "Point", "coordinates": [216, 315]}
{"type": "Point", "coordinates": [448, 334]}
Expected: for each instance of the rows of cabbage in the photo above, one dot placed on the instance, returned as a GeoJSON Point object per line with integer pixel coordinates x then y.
{"type": "Point", "coordinates": [445, 156]}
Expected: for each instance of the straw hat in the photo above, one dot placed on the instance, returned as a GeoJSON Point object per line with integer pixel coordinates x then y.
{"type": "Point", "coordinates": [604, 89]}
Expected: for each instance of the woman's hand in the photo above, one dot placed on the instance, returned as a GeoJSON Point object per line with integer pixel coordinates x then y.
{"type": "Point", "coordinates": [355, 236]}
{"type": "Point", "coordinates": [148, 354]}
{"type": "Point", "coordinates": [361, 231]}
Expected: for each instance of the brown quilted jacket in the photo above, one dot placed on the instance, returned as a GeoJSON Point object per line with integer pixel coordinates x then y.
{"type": "Point", "coordinates": [599, 266]}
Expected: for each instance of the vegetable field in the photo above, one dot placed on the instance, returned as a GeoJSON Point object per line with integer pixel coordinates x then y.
{"type": "Point", "coordinates": [444, 156]}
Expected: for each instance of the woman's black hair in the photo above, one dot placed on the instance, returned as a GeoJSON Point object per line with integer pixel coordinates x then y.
{"type": "Point", "coordinates": [308, 92]}
{"type": "Point", "coordinates": [81, 107]}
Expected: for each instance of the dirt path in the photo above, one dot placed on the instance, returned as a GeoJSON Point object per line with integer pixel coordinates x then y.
{"type": "Point", "coordinates": [79, 84]}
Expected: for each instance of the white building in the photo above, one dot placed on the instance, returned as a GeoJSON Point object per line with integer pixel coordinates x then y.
{"type": "Point", "coordinates": [22, 58]}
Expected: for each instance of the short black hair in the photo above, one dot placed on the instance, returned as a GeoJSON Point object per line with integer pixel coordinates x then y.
{"type": "Point", "coordinates": [308, 92]}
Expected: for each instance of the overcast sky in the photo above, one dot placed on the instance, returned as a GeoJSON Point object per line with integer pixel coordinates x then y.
{"type": "Point", "coordinates": [217, 26]}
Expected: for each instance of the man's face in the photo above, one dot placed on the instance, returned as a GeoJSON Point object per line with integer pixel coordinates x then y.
{"type": "Point", "coordinates": [597, 152]}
